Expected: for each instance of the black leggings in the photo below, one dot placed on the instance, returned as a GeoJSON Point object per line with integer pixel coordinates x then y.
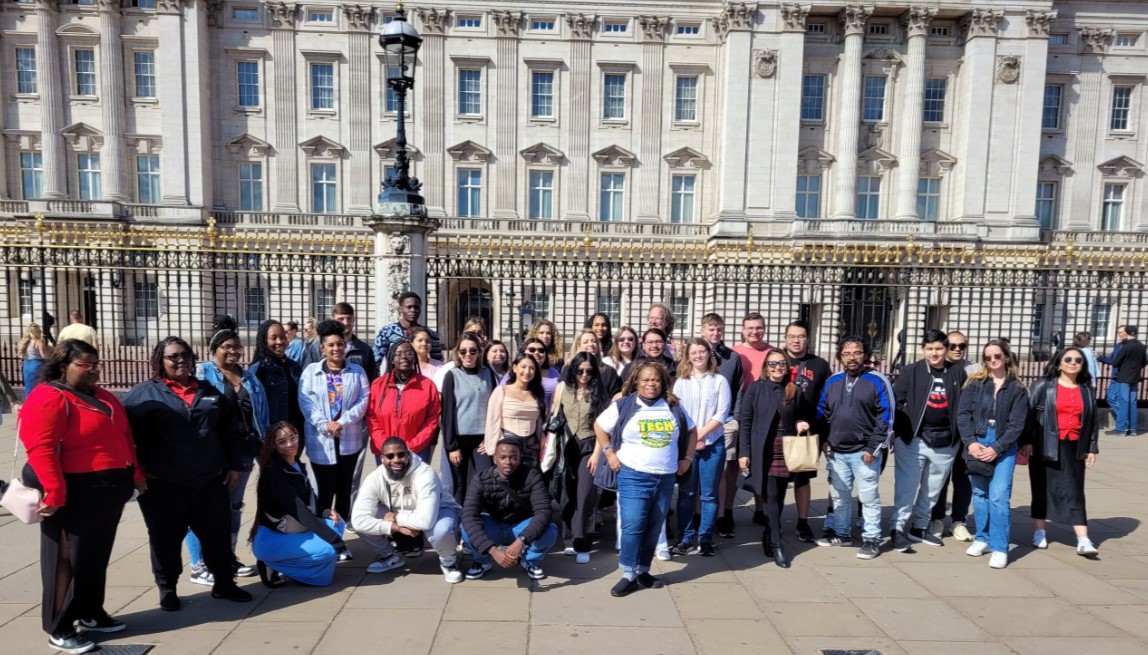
{"type": "Point", "coordinates": [772, 504]}
{"type": "Point", "coordinates": [584, 499]}
{"type": "Point", "coordinates": [334, 482]}
{"type": "Point", "coordinates": [471, 464]}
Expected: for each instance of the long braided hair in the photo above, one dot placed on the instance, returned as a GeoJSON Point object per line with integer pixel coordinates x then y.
{"type": "Point", "coordinates": [261, 350]}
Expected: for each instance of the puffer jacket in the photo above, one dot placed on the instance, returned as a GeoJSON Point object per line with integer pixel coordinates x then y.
{"type": "Point", "coordinates": [521, 496]}
{"type": "Point", "coordinates": [974, 414]}
{"type": "Point", "coordinates": [1043, 432]}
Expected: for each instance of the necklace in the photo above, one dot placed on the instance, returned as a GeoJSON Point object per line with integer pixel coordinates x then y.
{"type": "Point", "coordinates": [850, 383]}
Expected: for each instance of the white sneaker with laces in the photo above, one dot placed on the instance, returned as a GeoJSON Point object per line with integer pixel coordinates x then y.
{"type": "Point", "coordinates": [664, 554]}
{"type": "Point", "coordinates": [1085, 547]}
{"type": "Point", "coordinates": [998, 560]}
{"type": "Point", "coordinates": [961, 532]}
{"type": "Point", "coordinates": [1039, 539]}
{"type": "Point", "coordinates": [384, 564]}
{"type": "Point", "coordinates": [977, 549]}
{"type": "Point", "coordinates": [201, 576]}
{"type": "Point", "coordinates": [451, 573]}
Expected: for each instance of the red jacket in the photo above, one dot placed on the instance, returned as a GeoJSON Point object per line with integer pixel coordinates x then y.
{"type": "Point", "coordinates": [412, 415]}
{"type": "Point", "coordinates": [88, 439]}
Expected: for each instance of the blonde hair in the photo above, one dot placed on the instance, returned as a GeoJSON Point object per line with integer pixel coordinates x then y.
{"type": "Point", "coordinates": [554, 351]}
{"type": "Point", "coordinates": [686, 368]}
{"type": "Point", "coordinates": [1012, 370]}
{"type": "Point", "coordinates": [615, 353]}
{"type": "Point", "coordinates": [574, 344]}
{"type": "Point", "coordinates": [309, 328]}
{"type": "Point", "coordinates": [31, 335]}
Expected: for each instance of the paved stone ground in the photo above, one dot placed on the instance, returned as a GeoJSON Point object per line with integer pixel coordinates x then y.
{"type": "Point", "coordinates": [934, 601]}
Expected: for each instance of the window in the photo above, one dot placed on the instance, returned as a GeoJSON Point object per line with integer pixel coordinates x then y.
{"type": "Point", "coordinates": [938, 32]}
{"type": "Point", "coordinates": [247, 73]}
{"type": "Point", "coordinates": [254, 304]}
{"type": "Point", "coordinates": [147, 179]}
{"type": "Point", "coordinates": [251, 186]}
{"type": "Point", "coordinates": [1127, 40]}
{"type": "Point", "coordinates": [879, 29]}
{"type": "Point", "coordinates": [546, 25]}
{"type": "Point", "coordinates": [682, 191]}
{"type": "Point", "coordinates": [392, 98]}
{"type": "Point", "coordinates": [84, 3]}
{"type": "Point", "coordinates": [243, 13]}
{"type": "Point", "coordinates": [324, 189]}
{"type": "Point", "coordinates": [612, 198]}
{"type": "Point", "coordinates": [1037, 328]}
{"type": "Point", "coordinates": [813, 98]}
{"type": "Point", "coordinates": [146, 299]}
{"type": "Point", "coordinates": [469, 192]}
{"type": "Point", "coordinates": [143, 4]}
{"type": "Point", "coordinates": [32, 174]}
{"type": "Point", "coordinates": [689, 30]}
{"type": "Point", "coordinates": [26, 70]}
{"type": "Point", "coordinates": [470, 92]}
{"type": "Point", "coordinates": [540, 301]}
{"type": "Point", "coordinates": [809, 196]}
{"type": "Point", "coordinates": [928, 198]}
{"type": "Point", "coordinates": [88, 172]}
{"type": "Point", "coordinates": [615, 28]}
{"type": "Point", "coordinates": [320, 17]}
{"type": "Point", "coordinates": [1121, 107]}
{"type": "Point", "coordinates": [24, 294]}
{"type": "Point", "coordinates": [541, 194]}
{"type": "Point", "coordinates": [325, 301]}
{"type": "Point", "coordinates": [610, 304]}
{"type": "Point", "coordinates": [868, 197]}
{"type": "Point", "coordinates": [1101, 317]}
{"type": "Point", "coordinates": [322, 87]}
{"type": "Point", "coordinates": [686, 99]}
{"type": "Point", "coordinates": [681, 308]}
{"type": "Point", "coordinates": [1058, 39]}
{"type": "Point", "coordinates": [873, 105]}
{"type": "Point", "coordinates": [1113, 209]}
{"type": "Point", "coordinates": [815, 28]}
{"type": "Point", "coordinates": [85, 67]}
{"type": "Point", "coordinates": [935, 99]}
{"type": "Point", "coordinates": [614, 97]}
{"type": "Point", "coordinates": [1050, 114]}
{"type": "Point", "coordinates": [472, 22]}
{"type": "Point", "coordinates": [542, 95]}
{"type": "Point", "coordinates": [1046, 204]}
{"type": "Point", "coordinates": [145, 74]}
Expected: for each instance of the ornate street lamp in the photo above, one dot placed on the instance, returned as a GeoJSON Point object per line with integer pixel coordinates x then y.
{"type": "Point", "coordinates": [400, 42]}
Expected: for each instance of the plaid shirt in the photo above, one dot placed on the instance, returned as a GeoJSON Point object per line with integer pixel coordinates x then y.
{"type": "Point", "coordinates": [393, 333]}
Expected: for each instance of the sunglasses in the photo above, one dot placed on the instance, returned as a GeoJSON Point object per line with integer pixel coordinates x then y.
{"type": "Point", "coordinates": [958, 346]}
{"type": "Point", "coordinates": [286, 441]}
{"type": "Point", "coordinates": [778, 364]}
{"type": "Point", "coordinates": [394, 456]}
{"type": "Point", "coordinates": [585, 371]}
{"type": "Point", "coordinates": [534, 351]}
{"type": "Point", "coordinates": [1073, 360]}
{"type": "Point", "coordinates": [994, 358]}
{"type": "Point", "coordinates": [626, 339]}
{"type": "Point", "coordinates": [468, 351]}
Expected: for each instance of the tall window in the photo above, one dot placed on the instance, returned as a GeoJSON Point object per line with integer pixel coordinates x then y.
{"type": "Point", "coordinates": [255, 304]}
{"type": "Point", "coordinates": [322, 86]}
{"type": "Point", "coordinates": [24, 290]}
{"type": "Point", "coordinates": [612, 198]}
{"type": "Point", "coordinates": [325, 299]}
{"type": "Point", "coordinates": [251, 186]}
{"type": "Point", "coordinates": [928, 198]}
{"type": "Point", "coordinates": [610, 304]}
{"type": "Point", "coordinates": [32, 174]}
{"type": "Point", "coordinates": [681, 307]}
{"type": "Point", "coordinates": [1046, 204]}
{"type": "Point", "coordinates": [686, 99]}
{"type": "Point", "coordinates": [682, 191]}
{"type": "Point", "coordinates": [809, 196]}
{"type": "Point", "coordinates": [145, 73]}
{"type": "Point", "coordinates": [539, 299]}
{"type": "Point", "coordinates": [813, 98]}
{"type": "Point", "coordinates": [469, 192]}
{"type": "Point", "coordinates": [85, 69]}
{"type": "Point", "coordinates": [873, 103]}
{"type": "Point", "coordinates": [935, 100]}
{"type": "Point", "coordinates": [1101, 316]}
{"type": "Point", "coordinates": [1113, 210]}
{"type": "Point", "coordinates": [868, 196]}
{"type": "Point", "coordinates": [247, 73]}
{"type": "Point", "coordinates": [1050, 112]}
{"type": "Point", "coordinates": [470, 92]}
{"type": "Point", "coordinates": [541, 194]}
{"type": "Point", "coordinates": [614, 96]}
{"type": "Point", "coordinates": [542, 94]}
{"type": "Point", "coordinates": [392, 98]}
{"type": "Point", "coordinates": [147, 179]}
{"type": "Point", "coordinates": [1121, 107]}
{"type": "Point", "coordinates": [146, 295]}
{"type": "Point", "coordinates": [324, 189]}
{"type": "Point", "coordinates": [26, 70]}
{"type": "Point", "coordinates": [1037, 328]}
{"type": "Point", "coordinates": [88, 170]}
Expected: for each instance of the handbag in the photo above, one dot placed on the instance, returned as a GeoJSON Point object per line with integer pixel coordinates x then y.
{"type": "Point", "coordinates": [551, 437]}
{"type": "Point", "coordinates": [801, 452]}
{"type": "Point", "coordinates": [19, 499]}
{"type": "Point", "coordinates": [288, 524]}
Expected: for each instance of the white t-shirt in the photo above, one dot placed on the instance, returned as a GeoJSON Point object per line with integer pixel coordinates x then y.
{"type": "Point", "coordinates": [650, 439]}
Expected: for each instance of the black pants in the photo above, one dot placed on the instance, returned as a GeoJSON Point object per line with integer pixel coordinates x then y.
{"type": "Point", "coordinates": [583, 496]}
{"type": "Point", "coordinates": [471, 464]}
{"type": "Point", "coordinates": [962, 491]}
{"type": "Point", "coordinates": [86, 527]}
{"type": "Point", "coordinates": [334, 483]}
{"type": "Point", "coordinates": [170, 509]}
{"type": "Point", "coordinates": [772, 504]}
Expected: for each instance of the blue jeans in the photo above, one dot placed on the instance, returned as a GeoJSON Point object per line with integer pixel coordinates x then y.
{"type": "Point", "coordinates": [848, 468]}
{"type": "Point", "coordinates": [705, 472]}
{"type": "Point", "coordinates": [991, 497]}
{"type": "Point", "coordinates": [235, 496]}
{"type": "Point", "coordinates": [921, 472]}
{"type": "Point", "coordinates": [1122, 398]}
{"type": "Point", "coordinates": [504, 533]}
{"type": "Point", "coordinates": [644, 501]}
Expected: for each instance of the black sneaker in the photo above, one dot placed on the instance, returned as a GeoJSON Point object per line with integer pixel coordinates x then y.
{"type": "Point", "coordinates": [624, 588]}
{"type": "Point", "coordinates": [70, 642]}
{"type": "Point", "coordinates": [901, 543]}
{"type": "Point", "coordinates": [1114, 432]}
{"type": "Point", "coordinates": [708, 550]}
{"type": "Point", "coordinates": [168, 600]}
{"type": "Point", "coordinates": [725, 527]}
{"type": "Point", "coordinates": [804, 533]}
{"type": "Point", "coordinates": [759, 517]}
{"type": "Point", "coordinates": [683, 548]}
{"type": "Point", "coordinates": [915, 535]}
{"type": "Point", "coordinates": [930, 539]}
{"type": "Point", "coordinates": [869, 550]}
{"type": "Point", "coordinates": [230, 592]}
{"type": "Point", "coordinates": [648, 581]}
{"type": "Point", "coordinates": [834, 539]}
{"type": "Point", "coordinates": [101, 623]}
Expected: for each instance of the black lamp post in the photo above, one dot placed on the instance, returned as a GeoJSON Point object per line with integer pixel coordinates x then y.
{"type": "Point", "coordinates": [400, 42]}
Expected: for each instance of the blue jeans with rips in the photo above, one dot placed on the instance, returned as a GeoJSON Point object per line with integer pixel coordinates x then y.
{"type": "Point", "coordinates": [643, 501]}
{"type": "Point", "coordinates": [704, 479]}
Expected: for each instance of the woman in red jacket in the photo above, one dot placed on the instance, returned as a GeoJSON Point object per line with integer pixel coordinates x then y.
{"type": "Point", "coordinates": [404, 403]}
{"type": "Point", "coordinates": [82, 456]}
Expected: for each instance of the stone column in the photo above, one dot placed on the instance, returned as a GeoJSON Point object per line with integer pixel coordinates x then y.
{"type": "Point", "coordinates": [401, 241]}
{"type": "Point", "coordinates": [1081, 207]}
{"type": "Point", "coordinates": [51, 101]}
{"type": "Point", "coordinates": [1030, 105]}
{"type": "Point", "coordinates": [431, 86]}
{"type": "Point", "coordinates": [581, 112]}
{"type": "Point", "coordinates": [649, 173]}
{"type": "Point", "coordinates": [852, 20]}
{"type": "Point", "coordinates": [972, 143]}
{"type": "Point", "coordinates": [284, 126]}
{"type": "Point", "coordinates": [916, 22]}
{"type": "Point", "coordinates": [112, 102]}
{"type": "Point", "coordinates": [505, 110]}
{"type": "Point", "coordinates": [362, 106]}
{"type": "Point", "coordinates": [734, 27]}
{"type": "Point", "coordinates": [173, 95]}
{"type": "Point", "coordinates": [790, 72]}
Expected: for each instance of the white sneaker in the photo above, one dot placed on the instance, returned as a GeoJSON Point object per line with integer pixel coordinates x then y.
{"type": "Point", "coordinates": [1039, 539]}
{"type": "Point", "coordinates": [383, 564]}
{"type": "Point", "coordinates": [582, 558]}
{"type": "Point", "coordinates": [1085, 547]}
{"type": "Point", "coordinates": [451, 573]}
{"type": "Point", "coordinates": [664, 554]}
{"type": "Point", "coordinates": [998, 560]}
{"type": "Point", "coordinates": [977, 549]}
{"type": "Point", "coordinates": [961, 532]}
{"type": "Point", "coordinates": [200, 575]}
{"type": "Point", "coordinates": [570, 552]}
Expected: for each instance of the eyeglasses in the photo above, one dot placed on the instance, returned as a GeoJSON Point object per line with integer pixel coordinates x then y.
{"type": "Point", "coordinates": [534, 351]}
{"type": "Point", "coordinates": [232, 348]}
{"type": "Point", "coordinates": [286, 441]}
{"type": "Point", "coordinates": [658, 342]}
{"type": "Point", "coordinates": [1073, 360]}
{"type": "Point", "coordinates": [777, 364]}
{"type": "Point", "coordinates": [468, 351]}
{"type": "Point", "coordinates": [853, 355]}
{"type": "Point", "coordinates": [958, 346]}
{"type": "Point", "coordinates": [394, 456]}
{"type": "Point", "coordinates": [88, 366]}
{"type": "Point", "coordinates": [585, 371]}
{"type": "Point", "coordinates": [410, 354]}
{"type": "Point", "coordinates": [994, 358]}
{"type": "Point", "coordinates": [797, 337]}
{"type": "Point", "coordinates": [180, 357]}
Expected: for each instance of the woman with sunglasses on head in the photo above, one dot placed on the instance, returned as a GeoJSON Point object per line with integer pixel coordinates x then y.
{"type": "Point", "coordinates": [497, 357]}
{"type": "Point", "coordinates": [624, 350]}
{"type": "Point", "coordinates": [547, 332]}
{"type": "Point", "coordinates": [991, 420]}
{"type": "Point", "coordinates": [1064, 439]}
{"type": "Point", "coordinates": [278, 374]}
{"type": "Point", "coordinates": [190, 446]}
{"type": "Point", "coordinates": [82, 459]}
{"type": "Point", "coordinates": [599, 324]}
{"type": "Point", "coordinates": [290, 536]}
{"type": "Point", "coordinates": [549, 374]}
{"type": "Point", "coordinates": [517, 410]}
{"type": "Point", "coordinates": [465, 395]}
{"type": "Point", "coordinates": [587, 342]}
{"type": "Point", "coordinates": [422, 341]}
{"type": "Point", "coordinates": [245, 391]}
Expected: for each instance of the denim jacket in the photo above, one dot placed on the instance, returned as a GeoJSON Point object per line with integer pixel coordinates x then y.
{"type": "Point", "coordinates": [276, 387]}
{"type": "Point", "coordinates": [209, 372]}
{"type": "Point", "coordinates": [316, 408]}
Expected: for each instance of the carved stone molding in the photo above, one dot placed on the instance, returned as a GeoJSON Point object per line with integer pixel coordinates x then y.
{"type": "Point", "coordinates": [469, 151]}
{"type": "Point", "coordinates": [47, 5]}
{"type": "Point", "coordinates": [358, 17]}
{"type": "Point", "coordinates": [687, 157]}
{"type": "Point", "coordinates": [1122, 166]}
{"type": "Point", "coordinates": [167, 6]}
{"type": "Point", "coordinates": [884, 54]}
{"type": "Point", "coordinates": [386, 150]}
{"type": "Point", "coordinates": [1039, 21]}
{"type": "Point", "coordinates": [853, 18]}
{"type": "Point", "coordinates": [283, 15]}
{"type": "Point", "coordinates": [654, 27]}
{"type": "Point", "coordinates": [214, 11]}
{"type": "Point", "coordinates": [614, 156]}
{"type": "Point", "coordinates": [1097, 39]}
{"type": "Point", "coordinates": [982, 22]}
{"type": "Point", "coordinates": [321, 146]}
{"type": "Point", "coordinates": [543, 153]}
{"type": "Point", "coordinates": [1055, 165]}
{"type": "Point", "coordinates": [936, 163]}
{"type": "Point", "coordinates": [813, 160]}
{"type": "Point", "coordinates": [110, 5]}
{"type": "Point", "coordinates": [764, 63]}
{"type": "Point", "coordinates": [83, 137]}
{"type": "Point", "coordinates": [248, 145]}
{"type": "Point", "coordinates": [793, 16]}
{"type": "Point", "coordinates": [507, 23]}
{"type": "Point", "coordinates": [734, 16]}
{"type": "Point", "coordinates": [581, 26]}
{"type": "Point", "coordinates": [916, 21]}
{"type": "Point", "coordinates": [875, 161]}
{"type": "Point", "coordinates": [1008, 69]}
{"type": "Point", "coordinates": [434, 21]}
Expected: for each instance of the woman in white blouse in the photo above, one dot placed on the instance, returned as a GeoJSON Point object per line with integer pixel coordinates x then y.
{"type": "Point", "coordinates": [705, 396]}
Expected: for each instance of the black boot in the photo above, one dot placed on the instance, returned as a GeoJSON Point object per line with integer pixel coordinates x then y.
{"type": "Point", "coordinates": [779, 557]}
{"type": "Point", "coordinates": [766, 543]}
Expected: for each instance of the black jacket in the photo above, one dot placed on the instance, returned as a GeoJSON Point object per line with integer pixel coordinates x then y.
{"type": "Point", "coordinates": [911, 392]}
{"type": "Point", "coordinates": [184, 446]}
{"type": "Point", "coordinates": [1129, 361]}
{"type": "Point", "coordinates": [280, 380]}
{"type": "Point", "coordinates": [975, 411]}
{"type": "Point", "coordinates": [521, 496]}
{"type": "Point", "coordinates": [762, 405]}
{"type": "Point", "coordinates": [283, 491]}
{"type": "Point", "coordinates": [1044, 433]}
{"type": "Point", "coordinates": [810, 373]}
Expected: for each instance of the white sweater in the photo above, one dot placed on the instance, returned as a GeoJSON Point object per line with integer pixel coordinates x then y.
{"type": "Point", "coordinates": [416, 500]}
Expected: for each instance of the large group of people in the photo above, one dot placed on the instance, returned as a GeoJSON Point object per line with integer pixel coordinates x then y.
{"type": "Point", "coordinates": [531, 444]}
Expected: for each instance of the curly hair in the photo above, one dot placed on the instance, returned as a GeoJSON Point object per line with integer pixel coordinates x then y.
{"type": "Point", "coordinates": [554, 350]}
{"type": "Point", "coordinates": [65, 352]}
{"type": "Point", "coordinates": [157, 372]}
{"type": "Point", "coordinates": [224, 328]}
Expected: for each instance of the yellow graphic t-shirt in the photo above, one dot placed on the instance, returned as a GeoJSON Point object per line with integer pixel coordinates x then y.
{"type": "Point", "coordinates": [649, 439]}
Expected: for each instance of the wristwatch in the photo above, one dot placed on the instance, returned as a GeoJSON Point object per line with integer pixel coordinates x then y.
{"type": "Point", "coordinates": [524, 540]}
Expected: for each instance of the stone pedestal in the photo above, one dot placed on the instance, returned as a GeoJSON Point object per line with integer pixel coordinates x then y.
{"type": "Point", "coordinates": [401, 240]}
